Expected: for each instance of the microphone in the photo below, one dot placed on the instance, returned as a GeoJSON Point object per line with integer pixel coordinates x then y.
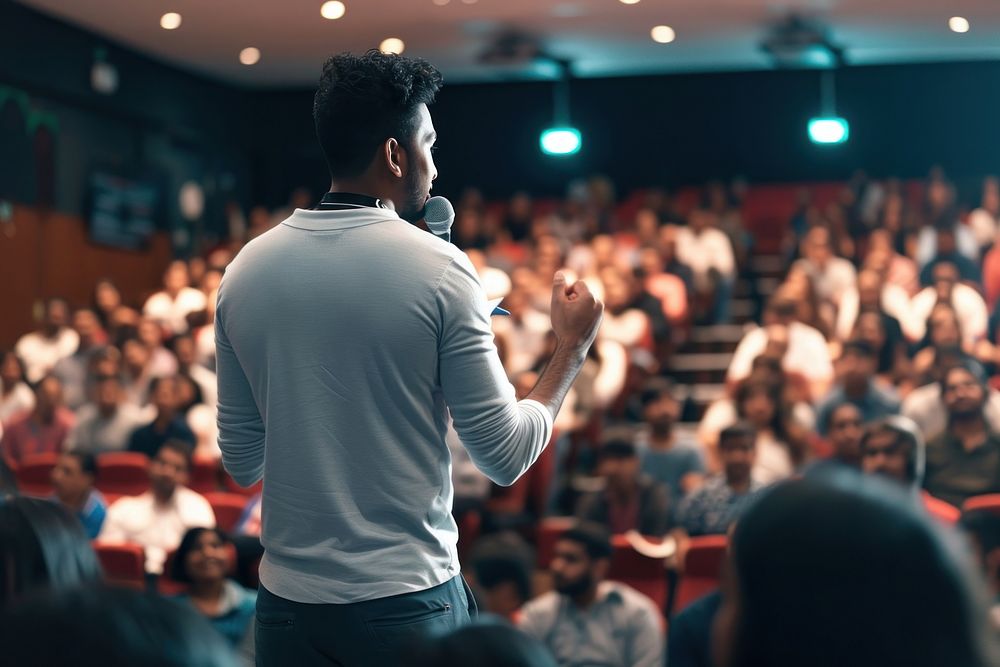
{"type": "Point", "coordinates": [439, 215]}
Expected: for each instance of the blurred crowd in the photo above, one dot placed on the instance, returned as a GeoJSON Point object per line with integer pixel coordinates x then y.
{"type": "Point", "coordinates": [870, 343]}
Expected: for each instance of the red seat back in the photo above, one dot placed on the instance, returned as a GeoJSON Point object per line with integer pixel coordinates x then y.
{"type": "Point", "coordinates": [702, 569]}
{"type": "Point", "coordinates": [646, 575]}
{"type": "Point", "coordinates": [34, 474]}
{"type": "Point", "coordinates": [989, 502]}
{"type": "Point", "coordinates": [204, 475]}
{"type": "Point", "coordinates": [228, 508]}
{"type": "Point", "coordinates": [123, 564]}
{"type": "Point", "coordinates": [123, 473]}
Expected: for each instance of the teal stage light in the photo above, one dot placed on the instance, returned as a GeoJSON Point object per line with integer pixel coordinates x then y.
{"type": "Point", "coordinates": [560, 141]}
{"type": "Point", "coordinates": [829, 130]}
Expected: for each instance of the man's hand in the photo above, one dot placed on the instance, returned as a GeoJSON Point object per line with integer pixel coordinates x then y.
{"type": "Point", "coordinates": [576, 313]}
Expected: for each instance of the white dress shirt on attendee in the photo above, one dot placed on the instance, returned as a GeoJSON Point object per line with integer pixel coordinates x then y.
{"type": "Point", "coordinates": [41, 353]}
{"type": "Point", "coordinates": [172, 313]}
{"type": "Point", "coordinates": [711, 249]}
{"type": "Point", "coordinates": [20, 400]}
{"type": "Point", "coordinates": [973, 316]}
{"type": "Point", "coordinates": [807, 355]}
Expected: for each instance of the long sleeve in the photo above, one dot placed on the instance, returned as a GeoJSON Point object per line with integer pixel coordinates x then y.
{"type": "Point", "coordinates": [502, 435]}
{"type": "Point", "coordinates": [241, 429]}
{"type": "Point", "coordinates": [647, 645]}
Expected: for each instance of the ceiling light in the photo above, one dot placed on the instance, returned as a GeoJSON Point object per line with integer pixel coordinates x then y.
{"type": "Point", "coordinates": [332, 10]}
{"type": "Point", "coordinates": [830, 130]}
{"type": "Point", "coordinates": [663, 34]}
{"type": "Point", "coordinates": [250, 55]}
{"type": "Point", "coordinates": [958, 24]}
{"type": "Point", "coordinates": [170, 21]}
{"type": "Point", "coordinates": [441, 3]}
{"type": "Point", "coordinates": [392, 45]}
{"type": "Point", "coordinates": [470, 2]}
{"type": "Point", "coordinates": [629, 2]}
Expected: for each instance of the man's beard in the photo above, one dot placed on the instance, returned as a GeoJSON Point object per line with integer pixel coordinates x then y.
{"type": "Point", "coordinates": [412, 210]}
{"type": "Point", "coordinates": [575, 587]}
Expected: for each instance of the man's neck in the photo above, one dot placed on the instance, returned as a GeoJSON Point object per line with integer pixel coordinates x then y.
{"type": "Point", "coordinates": [363, 186]}
{"type": "Point", "coordinates": [585, 599]}
{"type": "Point", "coordinates": [970, 431]}
{"type": "Point", "coordinates": [160, 499]}
{"type": "Point", "coordinates": [739, 485]}
{"type": "Point", "coordinates": [661, 438]}
{"type": "Point", "coordinates": [107, 411]}
{"type": "Point", "coordinates": [163, 419]}
{"type": "Point", "coordinates": [856, 390]}
{"type": "Point", "coordinates": [76, 503]}
{"type": "Point", "coordinates": [45, 417]}
{"type": "Point", "coordinates": [208, 591]}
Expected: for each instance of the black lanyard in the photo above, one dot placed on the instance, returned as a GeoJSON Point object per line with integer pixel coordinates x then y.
{"type": "Point", "coordinates": [342, 201]}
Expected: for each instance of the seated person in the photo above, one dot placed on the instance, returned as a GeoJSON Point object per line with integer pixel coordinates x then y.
{"type": "Point", "coordinates": [106, 424]}
{"type": "Point", "coordinates": [43, 430]}
{"type": "Point", "coordinates": [689, 643]}
{"type": "Point", "coordinates": [483, 644]}
{"type": "Point", "coordinates": [894, 449]}
{"type": "Point", "coordinates": [964, 461]}
{"type": "Point", "coordinates": [718, 503]}
{"type": "Point", "coordinates": [667, 456]}
{"type": "Point", "coordinates": [502, 565]}
{"type": "Point", "coordinates": [630, 500]}
{"type": "Point", "coordinates": [158, 519]}
{"type": "Point", "coordinates": [202, 562]}
{"type": "Point", "coordinates": [169, 423]}
{"type": "Point", "coordinates": [587, 620]}
{"type": "Point", "coordinates": [968, 304]}
{"type": "Point", "coordinates": [855, 384]}
{"type": "Point", "coordinates": [844, 431]}
{"type": "Point", "coordinates": [73, 480]}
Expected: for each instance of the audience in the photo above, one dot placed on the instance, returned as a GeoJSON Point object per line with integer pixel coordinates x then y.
{"type": "Point", "coordinates": [158, 519]}
{"type": "Point", "coordinates": [16, 396]}
{"type": "Point", "coordinates": [106, 424]}
{"type": "Point", "coordinates": [630, 499]}
{"type": "Point", "coordinates": [170, 307]}
{"type": "Point", "coordinates": [43, 430]}
{"type": "Point", "coordinates": [483, 645]}
{"type": "Point", "coordinates": [844, 430]}
{"type": "Point", "coordinates": [73, 480]}
{"type": "Point", "coordinates": [168, 424]}
{"type": "Point", "coordinates": [857, 385]}
{"type": "Point", "coordinates": [708, 252]}
{"type": "Point", "coordinates": [587, 620]}
{"type": "Point", "coordinates": [669, 457]}
{"type": "Point", "coordinates": [202, 561]}
{"type": "Point", "coordinates": [73, 370]}
{"type": "Point", "coordinates": [42, 349]}
{"type": "Point", "coordinates": [983, 530]}
{"type": "Point", "coordinates": [945, 288]}
{"type": "Point", "coordinates": [964, 460]}
{"type": "Point", "coordinates": [502, 565]}
{"type": "Point", "coordinates": [711, 509]}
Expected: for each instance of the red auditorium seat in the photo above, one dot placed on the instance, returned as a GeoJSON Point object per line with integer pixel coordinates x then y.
{"type": "Point", "coordinates": [230, 485]}
{"type": "Point", "coordinates": [34, 474]}
{"type": "Point", "coordinates": [123, 564]}
{"type": "Point", "coordinates": [167, 585]}
{"type": "Point", "coordinates": [989, 502]}
{"type": "Point", "coordinates": [204, 475]}
{"type": "Point", "coordinates": [646, 575]}
{"type": "Point", "coordinates": [123, 473]}
{"type": "Point", "coordinates": [228, 508]}
{"type": "Point", "coordinates": [702, 569]}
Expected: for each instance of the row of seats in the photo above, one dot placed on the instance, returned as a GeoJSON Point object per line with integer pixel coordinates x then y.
{"type": "Point", "coordinates": [125, 474]}
{"type": "Point", "coordinates": [123, 565]}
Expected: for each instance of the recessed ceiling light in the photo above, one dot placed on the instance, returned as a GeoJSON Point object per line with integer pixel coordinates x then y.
{"type": "Point", "coordinates": [333, 9]}
{"type": "Point", "coordinates": [170, 21]}
{"type": "Point", "coordinates": [441, 3]}
{"type": "Point", "coordinates": [470, 2]}
{"type": "Point", "coordinates": [250, 55]}
{"type": "Point", "coordinates": [958, 24]}
{"type": "Point", "coordinates": [663, 34]}
{"type": "Point", "coordinates": [629, 2]}
{"type": "Point", "coordinates": [392, 45]}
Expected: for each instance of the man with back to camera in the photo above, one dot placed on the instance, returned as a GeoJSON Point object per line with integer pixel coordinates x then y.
{"type": "Point", "coordinates": [343, 335]}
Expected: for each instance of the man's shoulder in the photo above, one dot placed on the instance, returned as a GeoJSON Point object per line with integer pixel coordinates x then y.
{"type": "Point", "coordinates": [630, 599]}
{"type": "Point", "coordinates": [544, 606]}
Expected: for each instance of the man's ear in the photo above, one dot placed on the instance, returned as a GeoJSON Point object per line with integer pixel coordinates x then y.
{"type": "Point", "coordinates": [395, 157]}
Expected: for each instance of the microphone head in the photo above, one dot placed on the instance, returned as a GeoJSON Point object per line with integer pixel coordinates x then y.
{"type": "Point", "coordinates": [439, 215]}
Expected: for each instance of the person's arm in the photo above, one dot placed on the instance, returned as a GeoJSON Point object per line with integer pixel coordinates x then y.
{"type": "Point", "coordinates": [241, 429]}
{"type": "Point", "coordinates": [646, 646]}
{"type": "Point", "coordinates": [502, 435]}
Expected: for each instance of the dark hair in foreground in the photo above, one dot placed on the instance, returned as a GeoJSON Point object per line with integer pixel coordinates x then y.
{"type": "Point", "coordinates": [42, 546]}
{"type": "Point", "coordinates": [483, 645]}
{"type": "Point", "coordinates": [178, 569]}
{"type": "Point", "coordinates": [364, 100]}
{"type": "Point", "coordinates": [839, 569]}
{"type": "Point", "coordinates": [110, 627]}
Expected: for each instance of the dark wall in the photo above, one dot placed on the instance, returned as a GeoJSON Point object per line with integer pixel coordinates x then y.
{"type": "Point", "coordinates": [256, 146]}
{"type": "Point", "coordinates": [681, 129]}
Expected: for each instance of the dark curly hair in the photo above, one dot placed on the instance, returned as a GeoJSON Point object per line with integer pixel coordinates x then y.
{"type": "Point", "coordinates": [364, 100]}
